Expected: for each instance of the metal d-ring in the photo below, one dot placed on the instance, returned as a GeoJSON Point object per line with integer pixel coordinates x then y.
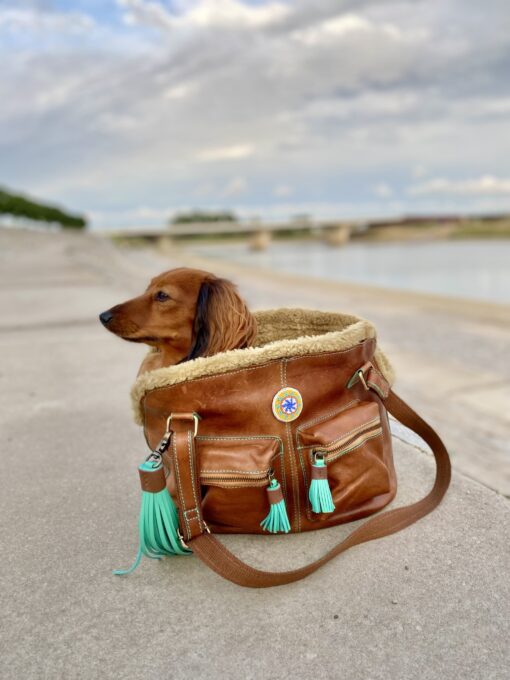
{"type": "Point", "coordinates": [362, 379]}
{"type": "Point", "coordinates": [358, 375]}
{"type": "Point", "coordinates": [196, 418]}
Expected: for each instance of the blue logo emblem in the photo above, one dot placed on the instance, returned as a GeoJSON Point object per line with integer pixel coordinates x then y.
{"type": "Point", "coordinates": [287, 404]}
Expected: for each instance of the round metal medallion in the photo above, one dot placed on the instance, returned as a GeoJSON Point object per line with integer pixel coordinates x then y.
{"type": "Point", "coordinates": [287, 404]}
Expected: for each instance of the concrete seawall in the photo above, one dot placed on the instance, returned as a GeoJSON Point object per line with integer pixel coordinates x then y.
{"type": "Point", "coordinates": [432, 602]}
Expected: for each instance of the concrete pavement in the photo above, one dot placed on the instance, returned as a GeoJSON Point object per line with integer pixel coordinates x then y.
{"type": "Point", "coordinates": [431, 602]}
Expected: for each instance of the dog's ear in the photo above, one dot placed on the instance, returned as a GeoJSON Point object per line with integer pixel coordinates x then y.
{"type": "Point", "coordinates": [222, 320]}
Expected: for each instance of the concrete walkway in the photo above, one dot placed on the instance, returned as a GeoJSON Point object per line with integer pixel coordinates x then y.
{"type": "Point", "coordinates": [432, 602]}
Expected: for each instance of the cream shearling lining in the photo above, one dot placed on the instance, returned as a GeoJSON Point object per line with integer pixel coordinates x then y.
{"type": "Point", "coordinates": [281, 333]}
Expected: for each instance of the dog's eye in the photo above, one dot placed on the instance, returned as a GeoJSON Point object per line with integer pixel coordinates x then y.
{"type": "Point", "coordinates": [161, 296]}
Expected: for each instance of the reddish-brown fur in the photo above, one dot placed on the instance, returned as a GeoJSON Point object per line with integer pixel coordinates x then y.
{"type": "Point", "coordinates": [202, 316]}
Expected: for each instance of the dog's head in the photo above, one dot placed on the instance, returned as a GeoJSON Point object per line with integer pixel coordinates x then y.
{"type": "Point", "coordinates": [185, 313]}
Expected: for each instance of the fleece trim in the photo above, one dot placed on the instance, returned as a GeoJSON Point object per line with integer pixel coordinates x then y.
{"type": "Point", "coordinates": [281, 333]}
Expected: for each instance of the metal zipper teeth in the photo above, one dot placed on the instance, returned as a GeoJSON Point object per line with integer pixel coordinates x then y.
{"type": "Point", "coordinates": [358, 441]}
{"type": "Point", "coordinates": [248, 480]}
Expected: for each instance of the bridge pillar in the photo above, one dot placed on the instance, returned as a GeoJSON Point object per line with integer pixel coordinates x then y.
{"type": "Point", "coordinates": [259, 240]}
{"type": "Point", "coordinates": [166, 244]}
{"type": "Point", "coordinates": [338, 235]}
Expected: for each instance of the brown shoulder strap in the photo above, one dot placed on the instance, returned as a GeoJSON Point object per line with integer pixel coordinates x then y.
{"type": "Point", "coordinates": [213, 553]}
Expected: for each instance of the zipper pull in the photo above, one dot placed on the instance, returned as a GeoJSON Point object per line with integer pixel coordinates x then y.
{"type": "Point", "coordinates": [277, 520]}
{"type": "Point", "coordinates": [320, 493]}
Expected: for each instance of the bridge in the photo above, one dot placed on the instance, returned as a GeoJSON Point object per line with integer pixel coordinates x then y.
{"type": "Point", "coordinates": [258, 234]}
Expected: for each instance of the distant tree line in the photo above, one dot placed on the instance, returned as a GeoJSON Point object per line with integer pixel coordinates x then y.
{"type": "Point", "coordinates": [19, 206]}
{"type": "Point", "coordinates": [203, 216]}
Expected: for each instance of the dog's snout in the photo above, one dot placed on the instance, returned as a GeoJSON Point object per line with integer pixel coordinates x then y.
{"type": "Point", "coordinates": [105, 317]}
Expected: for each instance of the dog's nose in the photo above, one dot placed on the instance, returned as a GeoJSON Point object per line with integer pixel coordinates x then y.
{"type": "Point", "coordinates": [105, 317]}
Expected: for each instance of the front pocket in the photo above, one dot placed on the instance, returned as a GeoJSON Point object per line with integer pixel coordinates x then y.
{"type": "Point", "coordinates": [234, 475]}
{"type": "Point", "coordinates": [350, 441]}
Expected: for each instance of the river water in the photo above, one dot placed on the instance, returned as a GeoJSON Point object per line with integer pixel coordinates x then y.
{"type": "Point", "coordinates": [475, 269]}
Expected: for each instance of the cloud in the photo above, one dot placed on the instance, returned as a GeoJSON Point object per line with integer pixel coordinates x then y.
{"type": "Point", "coordinates": [235, 187]}
{"type": "Point", "coordinates": [383, 190]}
{"type": "Point", "coordinates": [353, 25]}
{"type": "Point", "coordinates": [30, 19]}
{"type": "Point", "coordinates": [225, 153]}
{"type": "Point", "coordinates": [481, 186]}
{"type": "Point", "coordinates": [134, 217]}
{"type": "Point", "coordinates": [162, 104]}
{"type": "Point", "coordinates": [204, 14]}
{"type": "Point", "coordinates": [419, 171]}
{"type": "Point", "coordinates": [180, 91]}
{"type": "Point", "coordinates": [145, 12]}
{"type": "Point", "coordinates": [283, 191]}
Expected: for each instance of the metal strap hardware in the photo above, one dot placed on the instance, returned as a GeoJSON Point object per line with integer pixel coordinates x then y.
{"type": "Point", "coordinates": [196, 419]}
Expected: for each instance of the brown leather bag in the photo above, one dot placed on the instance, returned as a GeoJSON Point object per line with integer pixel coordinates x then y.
{"type": "Point", "coordinates": [315, 388]}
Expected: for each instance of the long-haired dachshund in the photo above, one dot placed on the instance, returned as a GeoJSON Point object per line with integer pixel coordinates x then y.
{"type": "Point", "coordinates": [185, 314]}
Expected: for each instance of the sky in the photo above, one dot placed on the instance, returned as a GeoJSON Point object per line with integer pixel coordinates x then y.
{"type": "Point", "coordinates": [133, 110]}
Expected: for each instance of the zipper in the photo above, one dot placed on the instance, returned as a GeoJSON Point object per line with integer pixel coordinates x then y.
{"type": "Point", "coordinates": [352, 441]}
{"type": "Point", "coordinates": [239, 478]}
{"type": "Point", "coordinates": [236, 479]}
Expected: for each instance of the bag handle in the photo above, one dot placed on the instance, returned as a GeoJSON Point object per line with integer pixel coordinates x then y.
{"type": "Point", "coordinates": [216, 556]}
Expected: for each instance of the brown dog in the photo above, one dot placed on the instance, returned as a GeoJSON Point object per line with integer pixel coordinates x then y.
{"type": "Point", "coordinates": [184, 314]}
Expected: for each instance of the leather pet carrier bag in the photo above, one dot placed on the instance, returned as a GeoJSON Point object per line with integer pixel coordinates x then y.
{"type": "Point", "coordinates": [287, 436]}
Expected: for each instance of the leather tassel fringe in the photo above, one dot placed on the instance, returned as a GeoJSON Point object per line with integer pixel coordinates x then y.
{"type": "Point", "coordinates": [277, 520]}
{"type": "Point", "coordinates": [158, 522]}
{"type": "Point", "coordinates": [320, 493]}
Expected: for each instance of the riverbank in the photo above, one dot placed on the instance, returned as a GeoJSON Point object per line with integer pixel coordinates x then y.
{"type": "Point", "coordinates": [464, 270]}
{"type": "Point", "coordinates": [467, 228]}
{"type": "Point", "coordinates": [396, 231]}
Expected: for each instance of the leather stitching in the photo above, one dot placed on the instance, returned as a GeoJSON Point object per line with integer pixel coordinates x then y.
{"type": "Point", "coordinates": [237, 486]}
{"type": "Point", "coordinates": [178, 479]}
{"type": "Point", "coordinates": [300, 447]}
{"type": "Point", "coordinates": [295, 481]}
{"type": "Point", "coordinates": [240, 438]}
{"type": "Point", "coordinates": [240, 370]}
{"type": "Point", "coordinates": [330, 414]}
{"type": "Point", "coordinates": [254, 368]}
{"type": "Point", "coordinates": [279, 453]}
{"type": "Point", "coordinates": [237, 472]}
{"type": "Point", "coordinates": [192, 471]}
{"type": "Point", "coordinates": [372, 422]}
{"type": "Point", "coordinates": [305, 478]}
{"type": "Point", "coordinates": [338, 454]}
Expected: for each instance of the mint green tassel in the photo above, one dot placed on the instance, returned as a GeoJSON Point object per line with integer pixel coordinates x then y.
{"type": "Point", "coordinates": [158, 523]}
{"type": "Point", "coordinates": [277, 519]}
{"type": "Point", "coordinates": [320, 493]}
